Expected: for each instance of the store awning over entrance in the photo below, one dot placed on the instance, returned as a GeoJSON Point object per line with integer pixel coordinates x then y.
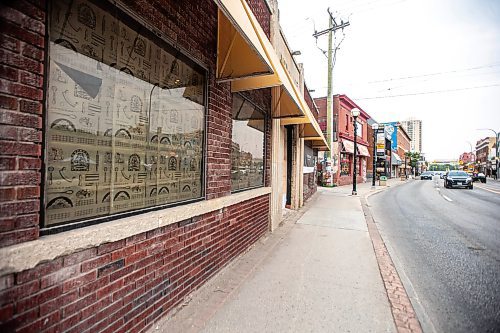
{"type": "Point", "coordinates": [309, 128]}
{"type": "Point", "coordinates": [363, 151]}
{"type": "Point", "coordinates": [396, 160]}
{"type": "Point", "coordinates": [237, 24]}
{"type": "Point", "coordinates": [286, 94]}
{"type": "Point", "coordinates": [348, 146]}
{"type": "Point", "coordinates": [286, 98]}
{"type": "Point", "coordinates": [240, 51]}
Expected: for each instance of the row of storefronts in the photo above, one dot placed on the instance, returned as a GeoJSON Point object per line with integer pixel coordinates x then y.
{"type": "Point", "coordinates": [485, 159]}
{"type": "Point", "coordinates": [160, 140]}
{"type": "Point", "coordinates": [381, 144]}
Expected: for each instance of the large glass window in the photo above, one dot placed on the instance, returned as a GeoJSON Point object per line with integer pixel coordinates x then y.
{"type": "Point", "coordinates": [125, 115]}
{"type": "Point", "coordinates": [247, 146]}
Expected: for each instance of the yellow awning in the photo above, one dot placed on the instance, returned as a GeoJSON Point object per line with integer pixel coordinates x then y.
{"type": "Point", "coordinates": [241, 44]}
{"type": "Point", "coordinates": [319, 144]}
{"type": "Point", "coordinates": [240, 52]}
{"type": "Point", "coordinates": [286, 92]}
{"type": "Point", "coordinates": [309, 129]}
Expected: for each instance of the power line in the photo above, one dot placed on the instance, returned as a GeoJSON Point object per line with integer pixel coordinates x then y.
{"type": "Point", "coordinates": [368, 6]}
{"type": "Point", "coordinates": [350, 5]}
{"type": "Point", "coordinates": [428, 92]}
{"type": "Point", "coordinates": [436, 73]}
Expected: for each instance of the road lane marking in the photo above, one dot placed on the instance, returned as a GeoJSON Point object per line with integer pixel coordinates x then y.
{"type": "Point", "coordinates": [446, 198]}
{"type": "Point", "coordinates": [487, 189]}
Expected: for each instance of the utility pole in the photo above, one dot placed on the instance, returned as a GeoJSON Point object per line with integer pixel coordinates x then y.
{"type": "Point", "coordinates": [332, 27]}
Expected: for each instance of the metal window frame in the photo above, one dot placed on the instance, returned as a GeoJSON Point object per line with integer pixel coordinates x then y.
{"type": "Point", "coordinates": [266, 129]}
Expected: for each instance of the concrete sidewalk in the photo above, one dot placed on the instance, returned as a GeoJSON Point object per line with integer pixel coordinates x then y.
{"type": "Point", "coordinates": [317, 273]}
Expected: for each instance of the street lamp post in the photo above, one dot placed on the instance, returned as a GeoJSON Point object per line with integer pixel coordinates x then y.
{"type": "Point", "coordinates": [355, 113]}
{"type": "Point", "coordinates": [496, 147]}
{"type": "Point", "coordinates": [375, 129]}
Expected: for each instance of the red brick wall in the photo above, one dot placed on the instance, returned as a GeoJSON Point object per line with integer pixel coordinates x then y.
{"type": "Point", "coordinates": [21, 95]}
{"type": "Point", "coordinates": [310, 186]}
{"type": "Point", "coordinates": [22, 32]}
{"type": "Point", "coordinates": [369, 164]}
{"type": "Point", "coordinates": [403, 141]}
{"type": "Point", "coordinates": [346, 180]}
{"type": "Point", "coordinates": [124, 286]}
{"type": "Point", "coordinates": [262, 13]}
{"type": "Point", "coordinates": [321, 104]}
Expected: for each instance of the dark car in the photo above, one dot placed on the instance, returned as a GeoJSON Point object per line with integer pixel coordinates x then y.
{"type": "Point", "coordinates": [426, 175]}
{"type": "Point", "coordinates": [458, 179]}
{"type": "Point", "coordinates": [479, 177]}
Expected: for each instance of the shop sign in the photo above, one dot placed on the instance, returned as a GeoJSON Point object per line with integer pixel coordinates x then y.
{"type": "Point", "coordinates": [391, 130]}
{"type": "Point", "coordinates": [380, 143]}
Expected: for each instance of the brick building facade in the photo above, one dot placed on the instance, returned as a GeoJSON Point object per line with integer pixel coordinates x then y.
{"type": "Point", "coordinates": [485, 153]}
{"type": "Point", "coordinates": [99, 278]}
{"type": "Point", "coordinates": [343, 137]}
{"type": "Point", "coordinates": [75, 258]}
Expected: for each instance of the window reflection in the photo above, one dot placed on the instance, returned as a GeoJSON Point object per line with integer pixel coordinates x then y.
{"type": "Point", "coordinates": [125, 118]}
{"type": "Point", "coordinates": [247, 150]}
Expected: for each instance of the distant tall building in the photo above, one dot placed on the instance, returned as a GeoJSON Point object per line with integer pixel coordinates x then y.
{"type": "Point", "coordinates": [414, 129]}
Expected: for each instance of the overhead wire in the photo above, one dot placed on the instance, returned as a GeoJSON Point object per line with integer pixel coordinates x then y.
{"type": "Point", "coordinates": [428, 92]}
{"type": "Point", "coordinates": [370, 6]}
{"type": "Point", "coordinates": [435, 73]}
{"type": "Point", "coordinates": [413, 79]}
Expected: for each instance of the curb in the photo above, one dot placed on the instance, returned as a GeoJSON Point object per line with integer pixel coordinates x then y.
{"type": "Point", "coordinates": [403, 313]}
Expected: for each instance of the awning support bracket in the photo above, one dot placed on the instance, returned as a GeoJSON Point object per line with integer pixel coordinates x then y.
{"type": "Point", "coordinates": [279, 99]}
{"type": "Point", "coordinates": [226, 58]}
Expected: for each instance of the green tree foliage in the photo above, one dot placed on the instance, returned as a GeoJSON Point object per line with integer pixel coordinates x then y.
{"type": "Point", "coordinates": [414, 157]}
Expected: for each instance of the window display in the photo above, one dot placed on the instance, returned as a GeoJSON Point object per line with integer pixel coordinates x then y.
{"type": "Point", "coordinates": [345, 164]}
{"type": "Point", "coordinates": [247, 149]}
{"type": "Point", "coordinates": [125, 117]}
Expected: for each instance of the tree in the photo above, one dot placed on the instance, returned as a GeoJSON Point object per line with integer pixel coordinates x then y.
{"type": "Point", "coordinates": [414, 157]}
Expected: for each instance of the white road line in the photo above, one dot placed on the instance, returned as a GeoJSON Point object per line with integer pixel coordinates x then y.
{"type": "Point", "coordinates": [487, 189]}
{"type": "Point", "coordinates": [446, 198]}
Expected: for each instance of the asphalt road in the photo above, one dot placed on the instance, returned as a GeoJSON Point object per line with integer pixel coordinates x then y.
{"type": "Point", "coordinates": [445, 244]}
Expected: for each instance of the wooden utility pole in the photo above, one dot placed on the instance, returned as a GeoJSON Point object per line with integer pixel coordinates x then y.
{"type": "Point", "coordinates": [332, 27]}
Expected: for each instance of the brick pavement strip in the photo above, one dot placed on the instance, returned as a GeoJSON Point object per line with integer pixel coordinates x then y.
{"type": "Point", "coordinates": [403, 313]}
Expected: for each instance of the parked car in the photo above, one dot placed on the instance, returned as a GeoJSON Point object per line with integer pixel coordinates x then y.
{"type": "Point", "coordinates": [458, 179]}
{"type": "Point", "coordinates": [479, 177]}
{"type": "Point", "coordinates": [439, 173]}
{"type": "Point", "coordinates": [426, 175]}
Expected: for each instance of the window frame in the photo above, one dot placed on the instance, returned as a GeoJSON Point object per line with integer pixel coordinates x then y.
{"type": "Point", "coordinates": [264, 160]}
{"type": "Point", "coordinates": [131, 19]}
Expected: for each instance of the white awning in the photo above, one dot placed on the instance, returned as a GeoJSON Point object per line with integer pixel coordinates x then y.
{"type": "Point", "coordinates": [363, 150]}
{"type": "Point", "coordinates": [396, 160]}
{"type": "Point", "coordinates": [348, 146]}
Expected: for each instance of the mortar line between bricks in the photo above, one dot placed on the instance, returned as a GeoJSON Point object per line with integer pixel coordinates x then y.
{"type": "Point", "coordinates": [403, 313]}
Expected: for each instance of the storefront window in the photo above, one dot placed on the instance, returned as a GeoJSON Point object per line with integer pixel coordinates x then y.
{"type": "Point", "coordinates": [125, 115]}
{"type": "Point", "coordinates": [247, 146]}
{"type": "Point", "coordinates": [310, 156]}
{"type": "Point", "coordinates": [345, 164]}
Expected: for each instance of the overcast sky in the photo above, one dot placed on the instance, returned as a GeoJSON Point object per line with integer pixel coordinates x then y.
{"type": "Point", "coordinates": [402, 47]}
